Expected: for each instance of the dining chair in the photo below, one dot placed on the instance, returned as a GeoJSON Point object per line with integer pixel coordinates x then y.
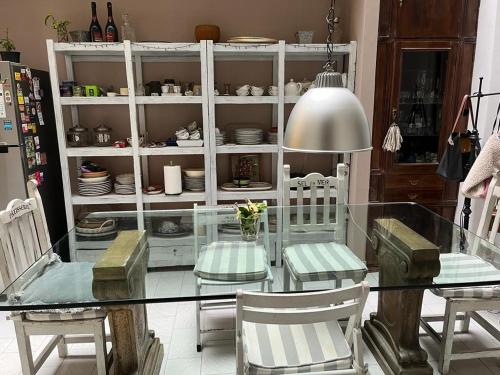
{"type": "Point", "coordinates": [317, 261]}
{"type": "Point", "coordinates": [24, 240]}
{"type": "Point", "coordinates": [469, 301]}
{"type": "Point", "coordinates": [226, 263]}
{"type": "Point", "coordinates": [300, 332]}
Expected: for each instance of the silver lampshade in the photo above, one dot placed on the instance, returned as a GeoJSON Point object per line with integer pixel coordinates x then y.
{"type": "Point", "coordinates": [328, 120]}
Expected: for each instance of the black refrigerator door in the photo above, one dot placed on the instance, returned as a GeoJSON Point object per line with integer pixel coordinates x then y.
{"type": "Point", "coordinates": [39, 144]}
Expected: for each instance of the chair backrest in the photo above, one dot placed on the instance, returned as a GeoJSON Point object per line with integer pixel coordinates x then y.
{"type": "Point", "coordinates": [303, 308]}
{"type": "Point", "coordinates": [491, 204]}
{"type": "Point", "coordinates": [24, 236]}
{"type": "Point", "coordinates": [317, 186]}
{"type": "Point", "coordinates": [207, 220]}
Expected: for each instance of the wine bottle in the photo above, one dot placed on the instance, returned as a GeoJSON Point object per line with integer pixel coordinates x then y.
{"type": "Point", "coordinates": [95, 29]}
{"type": "Point", "coordinates": [111, 30]}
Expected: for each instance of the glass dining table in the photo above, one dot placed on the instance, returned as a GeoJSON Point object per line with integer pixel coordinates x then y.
{"type": "Point", "coordinates": [127, 259]}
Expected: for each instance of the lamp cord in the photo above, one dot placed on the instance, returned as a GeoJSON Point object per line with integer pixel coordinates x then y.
{"type": "Point", "coordinates": [331, 20]}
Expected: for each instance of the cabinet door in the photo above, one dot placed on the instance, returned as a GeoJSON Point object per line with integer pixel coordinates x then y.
{"type": "Point", "coordinates": [428, 18]}
{"type": "Point", "coordinates": [423, 95]}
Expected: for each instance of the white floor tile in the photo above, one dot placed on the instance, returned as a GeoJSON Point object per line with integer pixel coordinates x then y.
{"type": "Point", "coordinates": [183, 344]}
{"type": "Point", "coordinates": [190, 366]}
{"type": "Point", "coordinates": [218, 359]}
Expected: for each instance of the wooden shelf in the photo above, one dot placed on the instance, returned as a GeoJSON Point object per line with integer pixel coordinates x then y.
{"type": "Point", "coordinates": [168, 99]}
{"type": "Point", "coordinates": [186, 196]}
{"type": "Point", "coordinates": [171, 150]}
{"type": "Point", "coordinates": [98, 151]}
{"type": "Point", "coordinates": [110, 198]}
{"type": "Point", "coordinates": [292, 99]}
{"type": "Point", "coordinates": [94, 100]}
{"type": "Point", "coordinates": [245, 149]}
{"type": "Point", "coordinates": [246, 99]}
{"type": "Point", "coordinates": [224, 195]}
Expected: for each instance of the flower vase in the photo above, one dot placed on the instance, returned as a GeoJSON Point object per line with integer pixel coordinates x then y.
{"type": "Point", "coordinates": [250, 228]}
{"type": "Point", "coordinates": [62, 36]}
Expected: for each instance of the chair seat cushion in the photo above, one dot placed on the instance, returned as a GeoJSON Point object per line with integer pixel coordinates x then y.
{"type": "Point", "coordinates": [284, 349]}
{"type": "Point", "coordinates": [324, 261]}
{"type": "Point", "coordinates": [467, 269]}
{"type": "Point", "coordinates": [232, 261]}
{"type": "Point", "coordinates": [56, 316]}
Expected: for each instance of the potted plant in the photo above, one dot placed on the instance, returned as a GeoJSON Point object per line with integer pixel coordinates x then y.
{"type": "Point", "coordinates": [61, 27]}
{"type": "Point", "coordinates": [249, 217]}
{"type": "Point", "coordinates": [9, 53]}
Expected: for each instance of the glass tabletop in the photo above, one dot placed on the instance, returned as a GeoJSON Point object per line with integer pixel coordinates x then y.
{"type": "Point", "coordinates": [113, 258]}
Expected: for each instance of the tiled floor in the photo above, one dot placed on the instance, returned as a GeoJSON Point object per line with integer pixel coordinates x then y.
{"type": "Point", "coordinates": [175, 325]}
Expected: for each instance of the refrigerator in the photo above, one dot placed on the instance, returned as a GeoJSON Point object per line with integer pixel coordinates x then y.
{"type": "Point", "coordinates": [28, 142]}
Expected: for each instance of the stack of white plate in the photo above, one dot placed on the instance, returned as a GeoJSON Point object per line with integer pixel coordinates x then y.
{"type": "Point", "coordinates": [194, 179]}
{"type": "Point", "coordinates": [125, 184]}
{"type": "Point", "coordinates": [92, 186]}
{"type": "Point", "coordinates": [220, 138]}
{"type": "Point", "coordinates": [272, 137]}
{"type": "Point", "coordinates": [249, 136]}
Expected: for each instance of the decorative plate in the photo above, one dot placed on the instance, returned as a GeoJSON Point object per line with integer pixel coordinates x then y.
{"type": "Point", "coordinates": [254, 186]}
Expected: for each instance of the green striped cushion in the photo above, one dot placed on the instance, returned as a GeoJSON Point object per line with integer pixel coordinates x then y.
{"type": "Point", "coordinates": [52, 316]}
{"type": "Point", "coordinates": [232, 261]}
{"type": "Point", "coordinates": [466, 268]}
{"type": "Point", "coordinates": [324, 261]}
{"type": "Point", "coordinates": [285, 349]}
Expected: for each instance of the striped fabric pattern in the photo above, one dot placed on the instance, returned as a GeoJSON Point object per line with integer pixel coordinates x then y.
{"type": "Point", "coordinates": [287, 349]}
{"type": "Point", "coordinates": [54, 316]}
{"type": "Point", "coordinates": [232, 261]}
{"type": "Point", "coordinates": [324, 261]}
{"type": "Point", "coordinates": [466, 268]}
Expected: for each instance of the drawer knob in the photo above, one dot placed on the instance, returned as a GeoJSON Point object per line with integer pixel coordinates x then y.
{"type": "Point", "coordinates": [412, 196]}
{"type": "Point", "coordinates": [413, 182]}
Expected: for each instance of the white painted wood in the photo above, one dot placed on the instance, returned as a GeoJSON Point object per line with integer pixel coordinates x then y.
{"type": "Point", "coordinates": [246, 99]}
{"type": "Point", "coordinates": [169, 99]}
{"type": "Point", "coordinates": [210, 84]}
{"type": "Point", "coordinates": [147, 151]}
{"type": "Point", "coordinates": [208, 146]}
{"type": "Point", "coordinates": [98, 151]}
{"type": "Point", "coordinates": [71, 77]}
{"type": "Point", "coordinates": [303, 308]}
{"type": "Point", "coordinates": [141, 119]}
{"type": "Point", "coordinates": [291, 99]}
{"type": "Point", "coordinates": [233, 49]}
{"type": "Point", "coordinates": [166, 49]}
{"type": "Point", "coordinates": [223, 195]}
{"type": "Point", "coordinates": [112, 198]}
{"type": "Point", "coordinates": [97, 100]}
{"type": "Point", "coordinates": [187, 196]}
{"type": "Point", "coordinates": [351, 73]}
{"type": "Point", "coordinates": [94, 48]}
{"type": "Point", "coordinates": [245, 149]}
{"type": "Point", "coordinates": [281, 129]}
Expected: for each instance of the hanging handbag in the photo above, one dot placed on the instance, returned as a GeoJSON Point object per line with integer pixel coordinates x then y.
{"type": "Point", "coordinates": [453, 163]}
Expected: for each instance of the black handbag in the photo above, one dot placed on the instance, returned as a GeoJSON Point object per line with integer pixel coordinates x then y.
{"type": "Point", "coordinates": [454, 161]}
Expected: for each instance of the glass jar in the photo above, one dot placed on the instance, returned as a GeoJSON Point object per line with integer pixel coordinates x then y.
{"type": "Point", "coordinates": [102, 136]}
{"type": "Point", "coordinates": [77, 136]}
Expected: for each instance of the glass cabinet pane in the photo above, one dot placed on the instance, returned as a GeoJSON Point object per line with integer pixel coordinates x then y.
{"type": "Point", "coordinates": [420, 105]}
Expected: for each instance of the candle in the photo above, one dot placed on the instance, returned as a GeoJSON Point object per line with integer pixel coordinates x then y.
{"type": "Point", "coordinates": [172, 178]}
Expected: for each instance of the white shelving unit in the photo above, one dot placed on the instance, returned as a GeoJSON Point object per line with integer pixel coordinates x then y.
{"type": "Point", "coordinates": [134, 56]}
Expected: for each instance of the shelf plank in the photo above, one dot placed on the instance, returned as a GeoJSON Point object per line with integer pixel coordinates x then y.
{"type": "Point", "coordinates": [245, 49]}
{"type": "Point", "coordinates": [186, 196]}
{"type": "Point", "coordinates": [244, 149]}
{"type": "Point", "coordinates": [111, 198]}
{"type": "Point", "coordinates": [98, 151]}
{"type": "Point", "coordinates": [292, 99]}
{"type": "Point", "coordinates": [168, 99]}
{"type": "Point", "coordinates": [171, 150]}
{"type": "Point", "coordinates": [94, 100]}
{"type": "Point", "coordinates": [246, 99]}
{"type": "Point", "coordinates": [90, 49]}
{"type": "Point", "coordinates": [158, 48]}
{"type": "Point", "coordinates": [223, 195]}
{"type": "Point", "coordinates": [313, 52]}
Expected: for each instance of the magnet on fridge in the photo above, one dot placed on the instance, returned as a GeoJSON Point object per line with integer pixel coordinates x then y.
{"type": "Point", "coordinates": [37, 142]}
{"type": "Point", "coordinates": [7, 125]}
{"type": "Point", "coordinates": [25, 128]}
{"type": "Point", "coordinates": [7, 96]}
{"type": "Point", "coordinates": [28, 73]}
{"type": "Point", "coordinates": [19, 89]}
{"type": "Point", "coordinates": [20, 100]}
{"type": "Point", "coordinates": [38, 159]}
{"type": "Point", "coordinates": [21, 108]}
{"type": "Point", "coordinates": [17, 76]}
{"type": "Point", "coordinates": [43, 158]}
{"type": "Point", "coordinates": [33, 128]}
{"type": "Point", "coordinates": [33, 111]}
{"type": "Point", "coordinates": [26, 100]}
{"type": "Point", "coordinates": [23, 74]}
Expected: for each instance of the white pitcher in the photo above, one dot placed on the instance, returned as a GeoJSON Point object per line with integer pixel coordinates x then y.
{"type": "Point", "coordinates": [293, 88]}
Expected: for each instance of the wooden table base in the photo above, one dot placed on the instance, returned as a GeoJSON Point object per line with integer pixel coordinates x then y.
{"type": "Point", "coordinates": [392, 334]}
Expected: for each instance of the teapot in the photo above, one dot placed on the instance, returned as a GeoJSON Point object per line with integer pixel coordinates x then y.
{"type": "Point", "coordinates": [306, 85]}
{"type": "Point", "coordinates": [293, 88]}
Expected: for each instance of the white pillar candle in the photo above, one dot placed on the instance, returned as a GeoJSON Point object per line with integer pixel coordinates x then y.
{"type": "Point", "coordinates": [173, 179]}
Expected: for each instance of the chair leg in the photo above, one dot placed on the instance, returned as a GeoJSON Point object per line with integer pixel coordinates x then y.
{"type": "Point", "coordinates": [263, 286]}
{"type": "Point", "coordinates": [62, 348]}
{"type": "Point", "coordinates": [198, 320]}
{"type": "Point", "coordinates": [447, 337]}
{"type": "Point", "coordinates": [100, 347]}
{"type": "Point", "coordinates": [298, 286]}
{"type": "Point", "coordinates": [464, 324]}
{"type": "Point", "coordinates": [270, 286]}
{"type": "Point", "coordinates": [286, 277]}
{"type": "Point", "coordinates": [24, 345]}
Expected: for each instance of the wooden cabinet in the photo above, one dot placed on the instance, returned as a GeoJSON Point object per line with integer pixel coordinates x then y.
{"type": "Point", "coordinates": [424, 67]}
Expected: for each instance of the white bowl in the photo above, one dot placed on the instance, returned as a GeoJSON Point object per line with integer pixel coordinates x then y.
{"type": "Point", "coordinates": [190, 142]}
{"type": "Point", "coordinates": [242, 93]}
{"type": "Point", "coordinates": [194, 172]}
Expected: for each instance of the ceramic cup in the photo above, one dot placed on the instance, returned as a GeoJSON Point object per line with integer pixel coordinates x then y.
{"type": "Point", "coordinates": [243, 90]}
{"type": "Point", "coordinates": [304, 37]}
{"type": "Point", "coordinates": [257, 91]}
{"type": "Point", "coordinates": [177, 89]}
{"type": "Point", "coordinates": [197, 90]}
{"type": "Point", "coordinates": [273, 90]}
{"type": "Point", "coordinates": [123, 90]}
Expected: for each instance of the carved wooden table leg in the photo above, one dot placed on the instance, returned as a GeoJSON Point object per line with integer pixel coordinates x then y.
{"type": "Point", "coordinates": [121, 274]}
{"type": "Point", "coordinates": [405, 257]}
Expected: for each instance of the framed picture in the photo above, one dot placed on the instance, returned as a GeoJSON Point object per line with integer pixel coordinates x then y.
{"type": "Point", "coordinates": [246, 165]}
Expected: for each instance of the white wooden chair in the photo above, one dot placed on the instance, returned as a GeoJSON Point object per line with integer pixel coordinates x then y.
{"type": "Point", "coordinates": [469, 300]}
{"type": "Point", "coordinates": [226, 263]}
{"type": "Point", "coordinates": [300, 332]}
{"type": "Point", "coordinates": [24, 240]}
{"type": "Point", "coordinates": [317, 261]}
